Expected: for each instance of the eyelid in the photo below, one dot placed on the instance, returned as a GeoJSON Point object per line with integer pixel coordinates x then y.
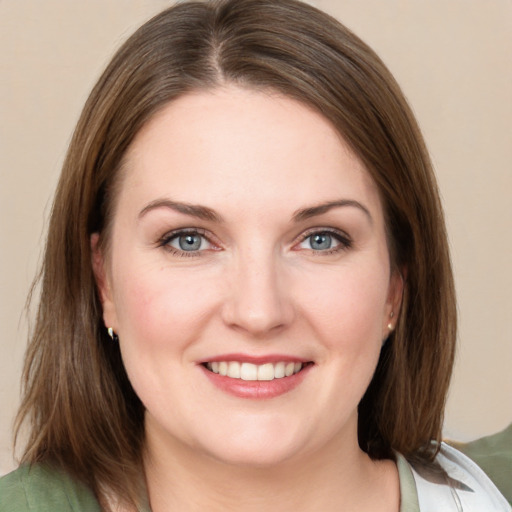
{"type": "Point", "coordinates": [164, 241]}
{"type": "Point", "coordinates": [341, 236]}
{"type": "Point", "coordinates": [345, 241]}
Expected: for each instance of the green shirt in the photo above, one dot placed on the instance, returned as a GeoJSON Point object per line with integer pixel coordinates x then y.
{"type": "Point", "coordinates": [494, 455]}
{"type": "Point", "coordinates": [43, 489]}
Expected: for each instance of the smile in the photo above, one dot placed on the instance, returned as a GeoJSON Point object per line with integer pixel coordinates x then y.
{"type": "Point", "coordinates": [255, 372]}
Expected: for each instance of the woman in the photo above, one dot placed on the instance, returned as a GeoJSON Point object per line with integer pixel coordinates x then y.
{"type": "Point", "coordinates": [247, 297]}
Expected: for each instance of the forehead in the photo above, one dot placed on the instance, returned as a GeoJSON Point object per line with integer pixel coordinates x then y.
{"type": "Point", "coordinates": [239, 146]}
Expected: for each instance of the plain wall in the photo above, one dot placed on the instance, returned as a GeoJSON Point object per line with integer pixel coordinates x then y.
{"type": "Point", "coordinates": [453, 60]}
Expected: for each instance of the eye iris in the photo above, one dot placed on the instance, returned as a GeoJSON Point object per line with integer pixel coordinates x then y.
{"type": "Point", "coordinates": [189, 242]}
{"type": "Point", "coordinates": [321, 241]}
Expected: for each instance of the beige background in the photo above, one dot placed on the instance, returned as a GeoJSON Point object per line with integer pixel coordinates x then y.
{"type": "Point", "coordinates": [453, 60]}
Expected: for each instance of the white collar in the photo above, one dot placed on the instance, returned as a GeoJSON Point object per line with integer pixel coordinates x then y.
{"type": "Point", "coordinates": [455, 483]}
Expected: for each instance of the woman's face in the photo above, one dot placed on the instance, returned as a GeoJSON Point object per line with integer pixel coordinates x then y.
{"type": "Point", "coordinates": [248, 278]}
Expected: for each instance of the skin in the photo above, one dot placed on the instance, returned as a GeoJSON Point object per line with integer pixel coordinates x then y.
{"type": "Point", "coordinates": [257, 286]}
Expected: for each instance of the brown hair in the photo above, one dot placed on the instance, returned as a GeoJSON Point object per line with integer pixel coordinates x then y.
{"type": "Point", "coordinates": [84, 415]}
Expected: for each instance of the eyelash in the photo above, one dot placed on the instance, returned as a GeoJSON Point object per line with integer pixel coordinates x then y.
{"type": "Point", "coordinates": [165, 241]}
{"type": "Point", "coordinates": [344, 241]}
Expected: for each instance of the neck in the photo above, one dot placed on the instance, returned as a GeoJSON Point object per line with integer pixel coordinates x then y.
{"type": "Point", "coordinates": [338, 478]}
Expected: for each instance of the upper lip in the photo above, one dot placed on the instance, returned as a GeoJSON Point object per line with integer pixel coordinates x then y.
{"type": "Point", "coordinates": [258, 360]}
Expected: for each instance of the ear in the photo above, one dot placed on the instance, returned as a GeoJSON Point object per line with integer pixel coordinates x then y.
{"type": "Point", "coordinates": [103, 282]}
{"type": "Point", "coordinates": [394, 301]}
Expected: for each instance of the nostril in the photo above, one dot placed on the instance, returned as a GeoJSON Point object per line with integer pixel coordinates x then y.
{"type": "Point", "coordinates": [257, 302]}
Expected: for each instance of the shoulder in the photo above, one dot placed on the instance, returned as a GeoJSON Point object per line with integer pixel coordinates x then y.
{"type": "Point", "coordinates": [456, 482]}
{"type": "Point", "coordinates": [494, 455]}
{"type": "Point", "coordinates": [41, 488]}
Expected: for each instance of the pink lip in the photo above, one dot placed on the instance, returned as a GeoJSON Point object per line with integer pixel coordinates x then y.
{"type": "Point", "coordinates": [256, 390]}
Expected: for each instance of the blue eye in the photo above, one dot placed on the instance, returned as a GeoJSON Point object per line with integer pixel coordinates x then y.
{"type": "Point", "coordinates": [325, 241]}
{"type": "Point", "coordinates": [320, 241]}
{"type": "Point", "coordinates": [186, 242]}
{"type": "Point", "coordinates": [189, 242]}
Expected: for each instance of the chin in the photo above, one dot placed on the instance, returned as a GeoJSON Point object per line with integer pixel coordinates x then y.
{"type": "Point", "coordinates": [256, 446]}
{"type": "Point", "coordinates": [255, 456]}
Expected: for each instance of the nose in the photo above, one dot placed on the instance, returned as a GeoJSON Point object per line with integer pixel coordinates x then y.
{"type": "Point", "coordinates": [257, 300]}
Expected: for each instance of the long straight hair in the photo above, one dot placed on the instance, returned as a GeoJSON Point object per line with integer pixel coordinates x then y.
{"type": "Point", "coordinates": [82, 412]}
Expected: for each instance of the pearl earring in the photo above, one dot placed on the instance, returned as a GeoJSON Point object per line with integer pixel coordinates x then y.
{"type": "Point", "coordinates": [112, 334]}
{"type": "Point", "coordinates": [390, 325]}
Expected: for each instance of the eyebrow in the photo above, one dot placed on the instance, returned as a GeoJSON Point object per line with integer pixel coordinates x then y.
{"type": "Point", "coordinates": [205, 213]}
{"type": "Point", "coordinates": [313, 211]}
{"type": "Point", "coordinates": [193, 210]}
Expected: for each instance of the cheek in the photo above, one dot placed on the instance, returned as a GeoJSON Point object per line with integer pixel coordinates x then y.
{"type": "Point", "coordinates": [161, 314]}
{"type": "Point", "coordinates": [347, 306]}
{"type": "Point", "coordinates": [162, 308]}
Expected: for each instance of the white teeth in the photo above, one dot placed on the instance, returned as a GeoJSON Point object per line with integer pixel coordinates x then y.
{"type": "Point", "coordinates": [248, 371]}
{"type": "Point", "coordinates": [223, 368]}
{"type": "Point", "coordinates": [254, 372]}
{"type": "Point", "coordinates": [266, 372]}
{"type": "Point", "coordinates": [234, 370]}
{"type": "Point", "coordinates": [279, 371]}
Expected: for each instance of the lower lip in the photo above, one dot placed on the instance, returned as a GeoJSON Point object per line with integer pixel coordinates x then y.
{"type": "Point", "coordinates": [257, 390]}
